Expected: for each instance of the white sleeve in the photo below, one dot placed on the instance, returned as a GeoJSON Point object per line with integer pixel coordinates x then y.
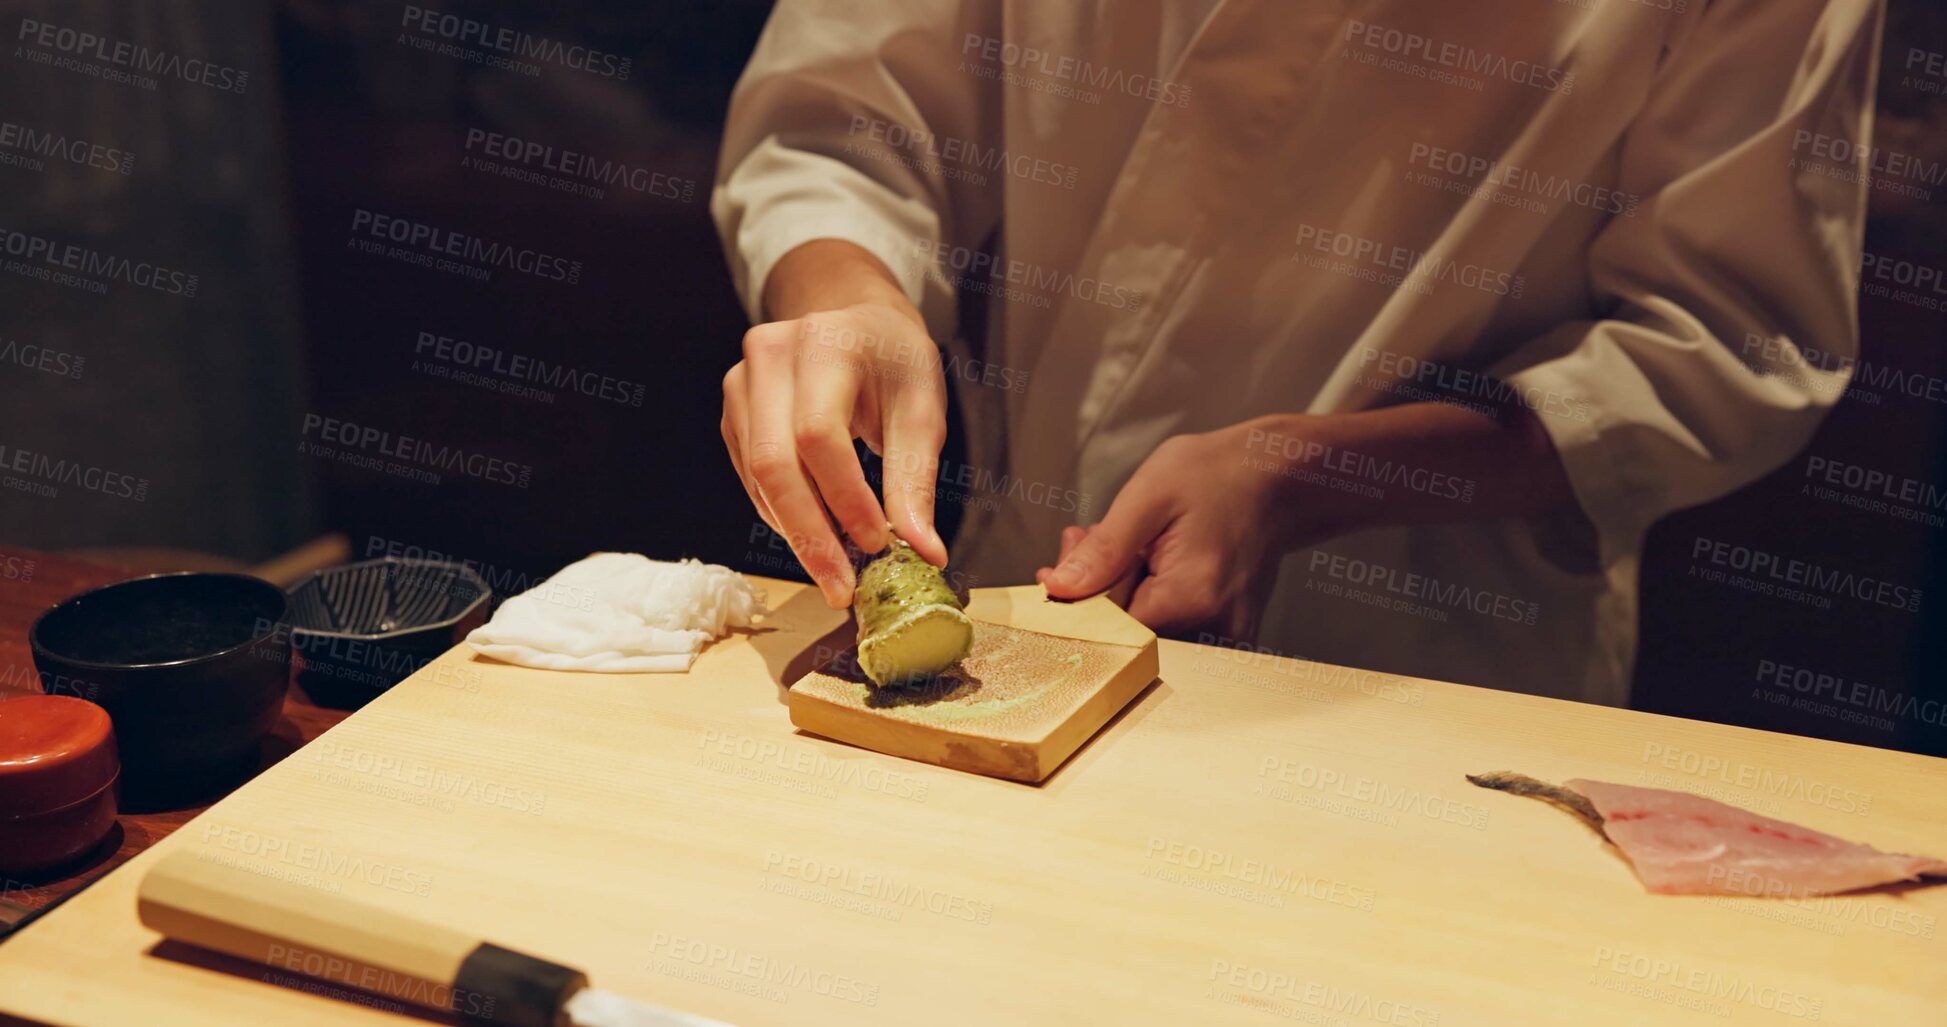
{"type": "Point", "coordinates": [835, 131]}
{"type": "Point", "coordinates": [1744, 253]}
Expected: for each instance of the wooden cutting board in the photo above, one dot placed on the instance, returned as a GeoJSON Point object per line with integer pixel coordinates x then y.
{"type": "Point", "coordinates": [1043, 677]}
{"type": "Point", "coordinates": [1255, 841]}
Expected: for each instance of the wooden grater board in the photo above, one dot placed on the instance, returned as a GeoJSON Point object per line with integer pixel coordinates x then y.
{"type": "Point", "coordinates": [1042, 678]}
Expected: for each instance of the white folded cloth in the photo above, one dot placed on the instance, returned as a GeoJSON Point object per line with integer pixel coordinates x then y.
{"type": "Point", "coordinates": [619, 613]}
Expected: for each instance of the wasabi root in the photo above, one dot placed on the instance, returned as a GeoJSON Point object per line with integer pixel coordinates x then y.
{"type": "Point", "coordinates": [911, 625]}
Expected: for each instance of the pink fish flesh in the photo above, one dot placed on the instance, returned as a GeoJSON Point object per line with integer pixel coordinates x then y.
{"type": "Point", "coordinates": [1686, 844]}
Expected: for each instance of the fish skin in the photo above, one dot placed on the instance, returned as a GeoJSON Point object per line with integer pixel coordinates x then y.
{"type": "Point", "coordinates": [1684, 844]}
{"type": "Point", "coordinates": [1521, 784]}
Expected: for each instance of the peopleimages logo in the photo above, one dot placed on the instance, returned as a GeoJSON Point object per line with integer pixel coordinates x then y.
{"type": "Point", "coordinates": [470, 363]}
{"type": "Point", "coordinates": [1878, 166]}
{"type": "Point", "coordinates": [333, 865]}
{"type": "Point", "coordinates": [1872, 490]}
{"type": "Point", "coordinates": [1791, 578]}
{"type": "Point", "coordinates": [1251, 879]}
{"type": "Point", "coordinates": [41, 358]}
{"type": "Point", "coordinates": [1303, 453]}
{"type": "Point", "coordinates": [890, 890]}
{"type": "Point", "coordinates": [1457, 58]}
{"type": "Point", "coordinates": [16, 568]}
{"type": "Point", "coordinates": [1718, 992]}
{"type": "Point", "coordinates": [966, 153]}
{"type": "Point", "coordinates": [41, 474]}
{"type": "Point", "coordinates": [1386, 795]}
{"type": "Point", "coordinates": [1442, 381]}
{"type": "Point", "coordinates": [1916, 285]}
{"type": "Point", "coordinates": [1422, 588]}
{"type": "Point", "coordinates": [1033, 61]}
{"type": "Point", "coordinates": [1238, 660]}
{"type": "Point", "coordinates": [364, 445]}
{"type": "Point", "coordinates": [982, 487]}
{"type": "Point", "coordinates": [94, 52]}
{"type": "Point", "coordinates": [1292, 997]}
{"type": "Point", "coordinates": [513, 43]}
{"type": "Point", "coordinates": [73, 264]}
{"type": "Point", "coordinates": [567, 170]}
{"type": "Point", "coordinates": [1749, 776]}
{"type": "Point", "coordinates": [372, 980]}
{"type": "Point", "coordinates": [1926, 70]}
{"type": "Point", "coordinates": [753, 973]}
{"type": "Point", "coordinates": [1407, 263]}
{"type": "Point", "coordinates": [901, 358]}
{"type": "Point", "coordinates": [1494, 173]}
{"type": "Point", "coordinates": [26, 143]}
{"type": "Point", "coordinates": [983, 271]}
{"type": "Point", "coordinates": [1825, 372]}
{"type": "Point", "coordinates": [470, 255]}
{"type": "Point", "coordinates": [1855, 696]}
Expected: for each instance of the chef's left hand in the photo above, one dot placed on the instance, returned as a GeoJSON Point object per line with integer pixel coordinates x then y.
{"type": "Point", "coordinates": [1192, 543]}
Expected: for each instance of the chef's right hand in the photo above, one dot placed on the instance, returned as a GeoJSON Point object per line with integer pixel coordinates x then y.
{"type": "Point", "coordinates": [805, 389]}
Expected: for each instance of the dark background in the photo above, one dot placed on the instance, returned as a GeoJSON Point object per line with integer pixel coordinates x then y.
{"type": "Point", "coordinates": [207, 398]}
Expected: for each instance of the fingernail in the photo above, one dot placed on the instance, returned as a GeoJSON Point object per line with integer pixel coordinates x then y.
{"type": "Point", "coordinates": [1066, 576]}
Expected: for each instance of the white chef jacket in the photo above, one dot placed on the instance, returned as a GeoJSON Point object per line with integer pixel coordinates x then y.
{"type": "Point", "coordinates": [1632, 216]}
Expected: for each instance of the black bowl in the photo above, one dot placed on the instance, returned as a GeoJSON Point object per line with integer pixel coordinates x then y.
{"type": "Point", "coordinates": [190, 667]}
{"type": "Point", "coordinates": [361, 628]}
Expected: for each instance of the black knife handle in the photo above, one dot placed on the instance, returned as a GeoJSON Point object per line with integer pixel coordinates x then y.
{"type": "Point", "coordinates": [510, 989]}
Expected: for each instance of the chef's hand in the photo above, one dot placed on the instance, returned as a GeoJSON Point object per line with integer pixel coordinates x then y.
{"type": "Point", "coordinates": [849, 358]}
{"type": "Point", "coordinates": [1192, 542]}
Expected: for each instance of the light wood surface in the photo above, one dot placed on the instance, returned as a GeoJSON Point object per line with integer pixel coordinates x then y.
{"type": "Point", "coordinates": [1043, 677]}
{"type": "Point", "coordinates": [1253, 841]}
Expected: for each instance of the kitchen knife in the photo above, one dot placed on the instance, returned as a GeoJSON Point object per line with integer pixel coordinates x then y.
{"type": "Point", "coordinates": [192, 897]}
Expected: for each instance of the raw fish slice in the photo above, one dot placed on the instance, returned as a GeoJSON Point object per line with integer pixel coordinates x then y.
{"type": "Point", "coordinates": [1680, 843]}
{"type": "Point", "coordinates": [1686, 844]}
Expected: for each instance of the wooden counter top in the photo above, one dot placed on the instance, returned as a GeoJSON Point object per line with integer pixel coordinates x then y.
{"type": "Point", "coordinates": [1254, 840]}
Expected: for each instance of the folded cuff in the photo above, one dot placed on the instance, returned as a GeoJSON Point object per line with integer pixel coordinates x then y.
{"type": "Point", "coordinates": [1589, 437]}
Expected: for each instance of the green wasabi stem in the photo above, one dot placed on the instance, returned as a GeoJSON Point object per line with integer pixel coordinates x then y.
{"type": "Point", "coordinates": [894, 581]}
{"type": "Point", "coordinates": [911, 624]}
{"type": "Point", "coordinates": [1521, 784]}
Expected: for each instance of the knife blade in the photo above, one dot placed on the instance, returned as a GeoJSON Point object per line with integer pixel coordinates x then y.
{"type": "Point", "coordinates": [593, 1007]}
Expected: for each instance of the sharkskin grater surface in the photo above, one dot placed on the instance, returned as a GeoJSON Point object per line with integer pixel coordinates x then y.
{"type": "Point", "coordinates": [1013, 684]}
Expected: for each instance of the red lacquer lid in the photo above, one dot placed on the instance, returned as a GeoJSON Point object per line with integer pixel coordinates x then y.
{"type": "Point", "coordinates": [55, 750]}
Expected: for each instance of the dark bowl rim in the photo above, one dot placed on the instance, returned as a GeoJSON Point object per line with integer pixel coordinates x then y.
{"type": "Point", "coordinates": [36, 647]}
{"type": "Point", "coordinates": [375, 636]}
